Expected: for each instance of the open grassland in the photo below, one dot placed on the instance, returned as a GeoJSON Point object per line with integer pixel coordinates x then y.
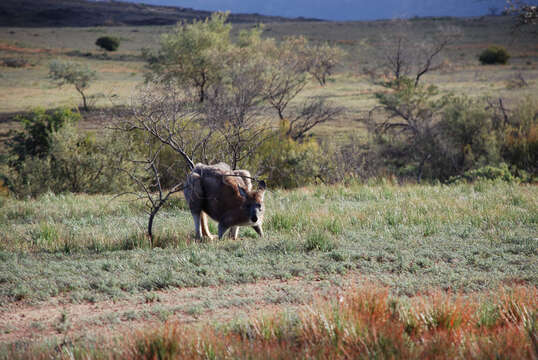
{"type": "Point", "coordinates": [120, 72]}
{"type": "Point", "coordinates": [79, 264]}
{"type": "Point", "coordinates": [412, 238]}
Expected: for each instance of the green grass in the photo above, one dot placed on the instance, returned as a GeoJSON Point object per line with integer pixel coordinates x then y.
{"type": "Point", "coordinates": [86, 248]}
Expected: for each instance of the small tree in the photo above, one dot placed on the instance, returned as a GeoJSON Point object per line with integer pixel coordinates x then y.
{"type": "Point", "coordinates": [191, 54]}
{"type": "Point", "coordinates": [321, 60]}
{"type": "Point", "coordinates": [108, 43]}
{"type": "Point", "coordinates": [402, 56]}
{"type": "Point", "coordinates": [164, 116]}
{"type": "Point", "coordinates": [78, 75]}
{"type": "Point", "coordinates": [147, 177]}
{"type": "Point", "coordinates": [405, 124]}
{"type": "Point", "coordinates": [235, 106]}
{"type": "Point", "coordinates": [285, 72]}
{"type": "Point", "coordinates": [313, 112]}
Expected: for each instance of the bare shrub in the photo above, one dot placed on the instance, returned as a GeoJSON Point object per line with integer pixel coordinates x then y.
{"type": "Point", "coordinates": [401, 56]}
{"type": "Point", "coordinates": [321, 61]}
{"type": "Point", "coordinates": [235, 107]}
{"type": "Point", "coordinates": [311, 113]}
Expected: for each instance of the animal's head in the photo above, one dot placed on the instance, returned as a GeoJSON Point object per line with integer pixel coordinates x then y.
{"type": "Point", "coordinates": [253, 202]}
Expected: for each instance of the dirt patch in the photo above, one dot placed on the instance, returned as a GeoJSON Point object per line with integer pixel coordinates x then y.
{"type": "Point", "coordinates": [13, 48]}
{"type": "Point", "coordinates": [56, 318]}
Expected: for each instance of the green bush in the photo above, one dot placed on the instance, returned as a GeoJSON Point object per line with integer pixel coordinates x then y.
{"type": "Point", "coordinates": [501, 172]}
{"type": "Point", "coordinates": [38, 127]}
{"type": "Point", "coordinates": [71, 73]}
{"type": "Point", "coordinates": [108, 43]}
{"type": "Point", "coordinates": [87, 163]}
{"type": "Point", "coordinates": [440, 138]}
{"type": "Point", "coordinates": [520, 146]}
{"type": "Point", "coordinates": [71, 162]}
{"type": "Point", "coordinates": [468, 137]}
{"type": "Point", "coordinates": [494, 55]}
{"type": "Point", "coordinates": [284, 162]}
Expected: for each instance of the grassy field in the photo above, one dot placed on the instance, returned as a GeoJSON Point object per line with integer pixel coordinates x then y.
{"type": "Point", "coordinates": [64, 251]}
{"type": "Point", "coordinates": [467, 237]}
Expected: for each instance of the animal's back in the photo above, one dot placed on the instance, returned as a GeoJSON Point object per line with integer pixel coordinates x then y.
{"type": "Point", "coordinates": [211, 189]}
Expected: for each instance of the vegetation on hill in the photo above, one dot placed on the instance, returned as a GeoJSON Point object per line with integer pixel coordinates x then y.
{"type": "Point", "coordinates": [39, 13]}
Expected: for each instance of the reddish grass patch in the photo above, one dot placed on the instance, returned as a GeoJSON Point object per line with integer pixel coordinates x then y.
{"type": "Point", "coordinates": [13, 48]}
{"type": "Point", "coordinates": [367, 323]}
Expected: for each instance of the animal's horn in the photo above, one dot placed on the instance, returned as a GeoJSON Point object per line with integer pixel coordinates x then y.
{"type": "Point", "coordinates": [262, 185]}
{"type": "Point", "coordinates": [243, 192]}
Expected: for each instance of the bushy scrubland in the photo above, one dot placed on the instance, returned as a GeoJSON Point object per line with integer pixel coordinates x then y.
{"type": "Point", "coordinates": [52, 155]}
{"type": "Point", "coordinates": [463, 140]}
{"type": "Point", "coordinates": [427, 135]}
{"type": "Point", "coordinates": [208, 99]}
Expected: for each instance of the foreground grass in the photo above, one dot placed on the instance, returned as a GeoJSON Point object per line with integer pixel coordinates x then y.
{"type": "Point", "coordinates": [412, 238]}
{"type": "Point", "coordinates": [366, 323]}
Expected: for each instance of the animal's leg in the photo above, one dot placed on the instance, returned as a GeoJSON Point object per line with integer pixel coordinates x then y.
{"type": "Point", "coordinates": [205, 226]}
{"type": "Point", "coordinates": [222, 230]}
{"type": "Point", "coordinates": [234, 230]}
{"type": "Point", "coordinates": [196, 218]}
{"type": "Point", "coordinates": [258, 229]}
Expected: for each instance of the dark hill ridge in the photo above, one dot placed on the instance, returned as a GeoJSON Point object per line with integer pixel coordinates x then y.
{"type": "Point", "coordinates": [48, 13]}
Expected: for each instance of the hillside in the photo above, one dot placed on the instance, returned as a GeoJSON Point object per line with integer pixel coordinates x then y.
{"type": "Point", "coordinates": [80, 13]}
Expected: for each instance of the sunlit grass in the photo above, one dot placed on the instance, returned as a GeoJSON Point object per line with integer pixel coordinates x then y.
{"type": "Point", "coordinates": [465, 237]}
